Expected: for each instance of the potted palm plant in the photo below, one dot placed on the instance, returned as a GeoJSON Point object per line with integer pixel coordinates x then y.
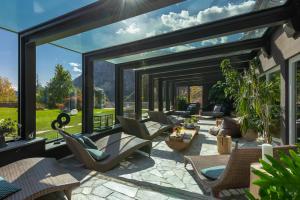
{"type": "Point", "coordinates": [8, 128]}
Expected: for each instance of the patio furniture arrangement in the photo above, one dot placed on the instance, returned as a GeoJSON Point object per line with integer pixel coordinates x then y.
{"type": "Point", "coordinates": [37, 177]}
{"type": "Point", "coordinates": [163, 118]}
{"type": "Point", "coordinates": [217, 112]}
{"type": "Point", "coordinates": [192, 109]}
{"type": "Point", "coordinates": [237, 168]}
{"type": "Point", "coordinates": [117, 147]}
{"type": "Point", "coordinates": [146, 130]}
{"type": "Point", "coordinates": [181, 141]}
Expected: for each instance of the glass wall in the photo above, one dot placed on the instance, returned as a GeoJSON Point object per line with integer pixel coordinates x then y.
{"type": "Point", "coordinates": [145, 96]}
{"type": "Point", "coordinates": [129, 93]}
{"type": "Point", "coordinates": [164, 95]}
{"type": "Point", "coordinates": [9, 81]}
{"type": "Point", "coordinates": [155, 86]}
{"type": "Point", "coordinates": [104, 95]}
{"type": "Point", "coordinates": [196, 93]}
{"type": "Point", "coordinates": [58, 89]}
{"type": "Point", "coordinates": [298, 102]}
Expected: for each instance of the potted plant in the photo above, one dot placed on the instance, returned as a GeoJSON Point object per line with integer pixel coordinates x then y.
{"type": "Point", "coordinates": [8, 128]}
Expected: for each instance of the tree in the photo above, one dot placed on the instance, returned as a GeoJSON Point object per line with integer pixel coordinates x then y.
{"type": "Point", "coordinates": [7, 92]}
{"type": "Point", "coordinates": [59, 87]}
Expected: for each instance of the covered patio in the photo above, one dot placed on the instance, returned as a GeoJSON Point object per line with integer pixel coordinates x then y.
{"type": "Point", "coordinates": [127, 59]}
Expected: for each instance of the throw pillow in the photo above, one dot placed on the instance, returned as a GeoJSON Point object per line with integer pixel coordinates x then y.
{"type": "Point", "coordinates": [7, 189]}
{"type": "Point", "coordinates": [97, 154]}
{"type": "Point", "coordinates": [213, 173]}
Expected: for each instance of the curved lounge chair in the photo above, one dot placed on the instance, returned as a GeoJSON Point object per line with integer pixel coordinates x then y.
{"type": "Point", "coordinates": [237, 171]}
{"type": "Point", "coordinates": [161, 117]}
{"type": "Point", "coordinates": [146, 130]}
{"type": "Point", "coordinates": [118, 146]}
{"type": "Point", "coordinates": [37, 177]}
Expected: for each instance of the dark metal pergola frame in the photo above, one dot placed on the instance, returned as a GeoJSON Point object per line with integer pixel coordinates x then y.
{"type": "Point", "coordinates": [109, 11]}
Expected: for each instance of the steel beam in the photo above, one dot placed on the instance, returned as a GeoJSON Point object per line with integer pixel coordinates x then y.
{"type": "Point", "coordinates": [160, 95]}
{"type": "Point", "coordinates": [151, 93]}
{"type": "Point", "coordinates": [138, 95]}
{"type": "Point", "coordinates": [92, 16]}
{"type": "Point", "coordinates": [236, 24]}
{"type": "Point", "coordinates": [119, 90]}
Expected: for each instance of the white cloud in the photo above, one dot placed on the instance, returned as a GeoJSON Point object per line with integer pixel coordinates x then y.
{"type": "Point", "coordinates": [183, 19]}
{"type": "Point", "coordinates": [182, 48]}
{"type": "Point", "coordinates": [37, 7]}
{"type": "Point", "coordinates": [75, 67]}
{"type": "Point", "coordinates": [131, 29]}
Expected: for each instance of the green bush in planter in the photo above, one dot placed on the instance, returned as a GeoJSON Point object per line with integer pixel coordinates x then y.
{"type": "Point", "coordinates": [182, 103]}
{"type": "Point", "coordinates": [8, 127]}
{"type": "Point", "coordinates": [282, 180]}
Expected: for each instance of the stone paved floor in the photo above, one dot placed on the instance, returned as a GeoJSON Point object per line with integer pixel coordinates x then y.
{"type": "Point", "coordinates": [163, 176]}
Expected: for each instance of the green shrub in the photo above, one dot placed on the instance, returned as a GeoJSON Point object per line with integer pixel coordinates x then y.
{"type": "Point", "coordinates": [282, 180]}
{"type": "Point", "coordinates": [8, 127]}
{"type": "Point", "coordinates": [181, 103]}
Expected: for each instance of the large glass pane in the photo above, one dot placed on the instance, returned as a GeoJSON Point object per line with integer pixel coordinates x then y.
{"type": "Point", "coordinates": [104, 95]}
{"type": "Point", "coordinates": [196, 93]}
{"type": "Point", "coordinates": [155, 86]}
{"type": "Point", "coordinates": [59, 89]}
{"type": "Point", "coordinates": [175, 17]}
{"type": "Point", "coordinates": [298, 101]}
{"type": "Point", "coordinates": [275, 78]}
{"type": "Point", "coordinates": [145, 96]}
{"type": "Point", "coordinates": [17, 15]}
{"type": "Point", "coordinates": [195, 45]}
{"type": "Point", "coordinates": [9, 80]}
{"type": "Point", "coordinates": [129, 93]}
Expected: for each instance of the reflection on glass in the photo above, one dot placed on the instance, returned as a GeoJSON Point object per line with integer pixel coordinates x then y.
{"type": "Point", "coordinates": [9, 80]}
{"type": "Point", "coordinates": [58, 90]}
{"type": "Point", "coordinates": [104, 95]}
{"type": "Point", "coordinates": [129, 93]}
{"type": "Point", "coordinates": [145, 96]}
{"type": "Point", "coordinates": [298, 101]}
{"type": "Point", "coordinates": [275, 78]}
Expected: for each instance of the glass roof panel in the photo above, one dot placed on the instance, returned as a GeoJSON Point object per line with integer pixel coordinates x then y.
{"type": "Point", "coordinates": [178, 16]}
{"type": "Point", "coordinates": [195, 45]}
{"type": "Point", "coordinates": [18, 15]}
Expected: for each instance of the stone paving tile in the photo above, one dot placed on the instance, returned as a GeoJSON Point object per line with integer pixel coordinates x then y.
{"type": "Point", "coordinates": [124, 189]}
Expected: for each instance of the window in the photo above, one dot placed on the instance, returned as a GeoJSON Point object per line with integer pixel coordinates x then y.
{"type": "Point", "coordinates": [104, 95]}
{"type": "Point", "coordinates": [145, 96]}
{"type": "Point", "coordinates": [129, 93]}
{"type": "Point", "coordinates": [58, 89]}
{"type": "Point", "coordinates": [9, 79]}
{"type": "Point", "coordinates": [196, 93]}
{"type": "Point", "coordinates": [275, 78]}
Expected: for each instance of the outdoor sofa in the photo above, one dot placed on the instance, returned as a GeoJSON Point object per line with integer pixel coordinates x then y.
{"type": "Point", "coordinates": [237, 170]}
{"type": "Point", "coordinates": [217, 112]}
{"type": "Point", "coordinates": [163, 118]}
{"type": "Point", "coordinates": [146, 130]}
{"type": "Point", "coordinates": [192, 109]}
{"type": "Point", "coordinates": [36, 177]}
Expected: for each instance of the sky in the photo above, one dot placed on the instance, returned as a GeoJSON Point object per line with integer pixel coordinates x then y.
{"type": "Point", "coordinates": [47, 57]}
{"type": "Point", "coordinates": [16, 15]}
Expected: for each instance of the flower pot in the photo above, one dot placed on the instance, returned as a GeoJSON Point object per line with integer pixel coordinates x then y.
{"type": "Point", "coordinates": [250, 135]}
{"type": "Point", "coordinates": [2, 141]}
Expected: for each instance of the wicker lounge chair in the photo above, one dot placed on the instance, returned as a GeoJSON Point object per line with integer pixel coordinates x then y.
{"type": "Point", "coordinates": [37, 177]}
{"type": "Point", "coordinates": [146, 130]}
{"type": "Point", "coordinates": [118, 146]}
{"type": "Point", "coordinates": [217, 112]}
{"type": "Point", "coordinates": [161, 117]}
{"type": "Point", "coordinates": [237, 171]}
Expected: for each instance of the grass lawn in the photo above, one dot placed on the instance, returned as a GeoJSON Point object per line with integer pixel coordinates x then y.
{"type": "Point", "coordinates": [45, 117]}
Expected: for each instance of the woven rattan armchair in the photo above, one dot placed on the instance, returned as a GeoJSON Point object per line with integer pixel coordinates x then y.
{"type": "Point", "coordinates": [119, 146]}
{"type": "Point", "coordinates": [146, 130]}
{"type": "Point", "coordinates": [237, 171]}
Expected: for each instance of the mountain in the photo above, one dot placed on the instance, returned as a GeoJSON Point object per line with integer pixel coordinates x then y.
{"type": "Point", "coordinates": [104, 78]}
